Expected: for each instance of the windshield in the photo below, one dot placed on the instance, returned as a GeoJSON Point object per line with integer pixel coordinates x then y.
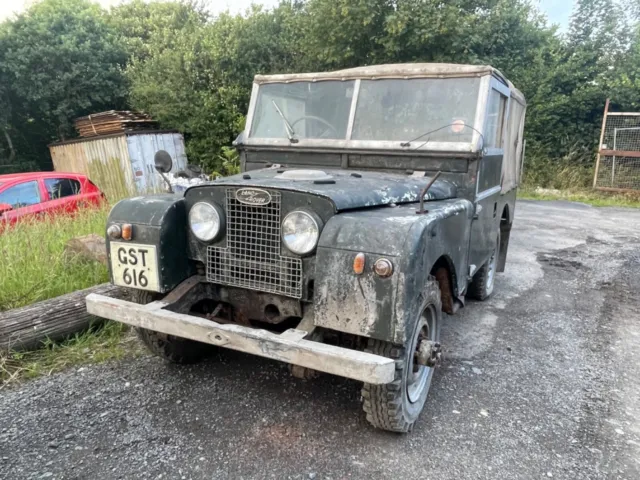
{"type": "Point", "coordinates": [386, 110]}
{"type": "Point", "coordinates": [404, 109]}
{"type": "Point", "coordinates": [313, 110]}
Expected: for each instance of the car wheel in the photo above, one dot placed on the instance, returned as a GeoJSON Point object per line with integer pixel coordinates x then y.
{"type": "Point", "coordinates": [397, 405]}
{"type": "Point", "coordinates": [483, 283]}
{"type": "Point", "coordinates": [168, 347]}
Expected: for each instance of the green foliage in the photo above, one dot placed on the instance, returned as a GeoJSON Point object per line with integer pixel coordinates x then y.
{"type": "Point", "coordinates": [230, 162]}
{"type": "Point", "coordinates": [572, 170]}
{"type": "Point", "coordinates": [100, 343]}
{"type": "Point", "coordinates": [200, 82]}
{"type": "Point", "coordinates": [183, 88]}
{"type": "Point", "coordinates": [149, 28]}
{"type": "Point", "coordinates": [193, 72]}
{"type": "Point", "coordinates": [588, 196]}
{"type": "Point", "coordinates": [570, 100]}
{"type": "Point", "coordinates": [59, 60]}
{"type": "Point", "coordinates": [33, 267]}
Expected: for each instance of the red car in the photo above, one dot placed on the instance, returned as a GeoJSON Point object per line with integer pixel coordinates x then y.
{"type": "Point", "coordinates": [40, 193]}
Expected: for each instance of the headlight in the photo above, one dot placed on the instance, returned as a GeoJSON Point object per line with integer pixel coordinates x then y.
{"type": "Point", "coordinates": [205, 221]}
{"type": "Point", "coordinates": [300, 232]}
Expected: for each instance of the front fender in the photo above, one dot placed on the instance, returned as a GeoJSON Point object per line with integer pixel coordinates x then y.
{"type": "Point", "coordinates": [385, 308]}
{"type": "Point", "coordinates": [159, 220]}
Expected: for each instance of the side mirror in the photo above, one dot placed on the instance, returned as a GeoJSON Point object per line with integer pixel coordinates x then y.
{"type": "Point", "coordinates": [5, 207]}
{"type": "Point", "coordinates": [163, 161]}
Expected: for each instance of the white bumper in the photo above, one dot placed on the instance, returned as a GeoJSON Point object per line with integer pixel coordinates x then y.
{"type": "Point", "coordinates": [289, 347]}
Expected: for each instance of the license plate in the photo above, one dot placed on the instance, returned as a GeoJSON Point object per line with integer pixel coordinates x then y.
{"type": "Point", "coordinates": [134, 265]}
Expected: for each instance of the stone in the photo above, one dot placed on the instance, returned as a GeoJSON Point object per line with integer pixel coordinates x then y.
{"type": "Point", "coordinates": [90, 248]}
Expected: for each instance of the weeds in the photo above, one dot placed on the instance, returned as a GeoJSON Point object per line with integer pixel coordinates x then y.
{"type": "Point", "coordinates": [569, 177]}
{"type": "Point", "coordinates": [107, 341]}
{"type": "Point", "coordinates": [33, 268]}
{"type": "Point", "coordinates": [230, 163]}
{"type": "Point", "coordinates": [32, 265]}
{"type": "Point", "coordinates": [588, 196]}
{"type": "Point", "coordinates": [574, 170]}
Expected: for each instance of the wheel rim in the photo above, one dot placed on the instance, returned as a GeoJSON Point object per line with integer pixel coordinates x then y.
{"type": "Point", "coordinates": [419, 376]}
{"type": "Point", "coordinates": [492, 268]}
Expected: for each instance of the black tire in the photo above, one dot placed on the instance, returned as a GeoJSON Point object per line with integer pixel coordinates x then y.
{"type": "Point", "coordinates": [392, 406]}
{"type": "Point", "coordinates": [483, 282]}
{"type": "Point", "coordinates": [168, 347]}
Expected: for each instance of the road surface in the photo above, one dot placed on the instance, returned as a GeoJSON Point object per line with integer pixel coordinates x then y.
{"type": "Point", "coordinates": [541, 381]}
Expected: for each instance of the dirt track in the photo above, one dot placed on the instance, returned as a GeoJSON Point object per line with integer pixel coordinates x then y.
{"type": "Point", "coordinates": [542, 381]}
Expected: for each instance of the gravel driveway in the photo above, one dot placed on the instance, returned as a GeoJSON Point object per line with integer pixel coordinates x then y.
{"type": "Point", "coordinates": [541, 381]}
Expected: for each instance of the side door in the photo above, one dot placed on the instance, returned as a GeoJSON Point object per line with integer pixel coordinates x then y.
{"type": "Point", "coordinates": [25, 198]}
{"type": "Point", "coordinates": [63, 194]}
{"type": "Point", "coordinates": [486, 221]}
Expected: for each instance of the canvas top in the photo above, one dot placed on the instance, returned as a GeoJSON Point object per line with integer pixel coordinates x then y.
{"type": "Point", "coordinates": [396, 70]}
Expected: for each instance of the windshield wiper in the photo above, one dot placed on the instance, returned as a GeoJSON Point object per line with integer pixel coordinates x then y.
{"type": "Point", "coordinates": [408, 144]}
{"type": "Point", "coordinates": [290, 132]}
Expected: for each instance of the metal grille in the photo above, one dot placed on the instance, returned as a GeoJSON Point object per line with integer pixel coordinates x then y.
{"type": "Point", "coordinates": [252, 257]}
{"type": "Point", "coordinates": [618, 166]}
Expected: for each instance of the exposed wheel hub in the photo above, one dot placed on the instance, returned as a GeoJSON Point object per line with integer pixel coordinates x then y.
{"type": "Point", "coordinates": [428, 353]}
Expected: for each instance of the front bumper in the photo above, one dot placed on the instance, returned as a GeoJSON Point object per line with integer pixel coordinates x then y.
{"type": "Point", "coordinates": [289, 347]}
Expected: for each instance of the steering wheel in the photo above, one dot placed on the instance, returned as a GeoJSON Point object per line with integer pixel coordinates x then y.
{"type": "Point", "coordinates": [317, 119]}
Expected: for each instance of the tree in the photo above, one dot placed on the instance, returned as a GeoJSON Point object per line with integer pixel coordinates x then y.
{"type": "Point", "coordinates": [183, 88]}
{"type": "Point", "coordinates": [61, 60]}
{"type": "Point", "coordinates": [7, 149]}
{"type": "Point", "coordinates": [193, 72]}
{"type": "Point", "coordinates": [147, 29]}
{"type": "Point", "coordinates": [200, 83]}
{"type": "Point", "coordinates": [567, 109]}
{"type": "Point", "coordinates": [626, 85]}
{"type": "Point", "coordinates": [343, 33]}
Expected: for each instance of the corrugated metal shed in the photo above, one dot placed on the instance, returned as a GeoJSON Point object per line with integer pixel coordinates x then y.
{"type": "Point", "coordinates": [120, 165]}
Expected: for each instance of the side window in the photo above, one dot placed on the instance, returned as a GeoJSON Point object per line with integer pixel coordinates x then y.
{"type": "Point", "coordinates": [61, 187]}
{"type": "Point", "coordinates": [495, 120]}
{"type": "Point", "coordinates": [490, 172]}
{"type": "Point", "coordinates": [21, 195]}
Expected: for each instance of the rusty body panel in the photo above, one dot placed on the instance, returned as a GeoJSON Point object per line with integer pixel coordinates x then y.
{"type": "Point", "coordinates": [385, 308]}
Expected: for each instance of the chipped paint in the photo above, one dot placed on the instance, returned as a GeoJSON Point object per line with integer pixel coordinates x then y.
{"type": "Point", "coordinates": [370, 189]}
{"type": "Point", "coordinates": [384, 308]}
{"type": "Point", "coordinates": [352, 303]}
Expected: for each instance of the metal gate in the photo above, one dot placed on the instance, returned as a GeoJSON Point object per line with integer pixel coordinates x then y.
{"type": "Point", "coordinates": [618, 163]}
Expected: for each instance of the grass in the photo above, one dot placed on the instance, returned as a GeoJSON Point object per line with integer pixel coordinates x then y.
{"type": "Point", "coordinates": [588, 196]}
{"type": "Point", "coordinates": [33, 268]}
{"type": "Point", "coordinates": [108, 341]}
{"type": "Point", "coordinates": [32, 264]}
{"type": "Point", "coordinates": [568, 177]}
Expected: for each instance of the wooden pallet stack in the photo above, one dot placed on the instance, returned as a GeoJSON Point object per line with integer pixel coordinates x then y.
{"type": "Point", "coordinates": [113, 121]}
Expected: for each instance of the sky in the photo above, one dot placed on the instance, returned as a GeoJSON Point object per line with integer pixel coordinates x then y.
{"type": "Point", "coordinates": [558, 11]}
